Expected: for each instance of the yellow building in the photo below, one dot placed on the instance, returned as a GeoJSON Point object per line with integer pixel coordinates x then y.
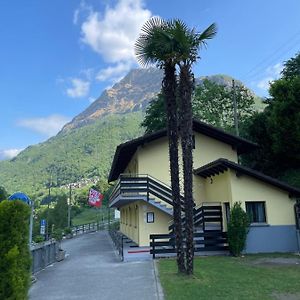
{"type": "Point", "coordinates": [142, 191]}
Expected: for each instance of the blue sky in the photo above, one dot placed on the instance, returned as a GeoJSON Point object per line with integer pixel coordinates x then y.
{"type": "Point", "coordinates": [58, 56]}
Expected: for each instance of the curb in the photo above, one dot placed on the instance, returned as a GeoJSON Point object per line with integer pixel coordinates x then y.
{"type": "Point", "coordinates": [159, 289]}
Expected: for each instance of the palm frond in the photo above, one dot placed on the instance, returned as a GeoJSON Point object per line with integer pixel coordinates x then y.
{"type": "Point", "coordinates": [208, 33]}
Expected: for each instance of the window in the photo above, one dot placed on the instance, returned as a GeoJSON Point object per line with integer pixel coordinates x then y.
{"type": "Point", "coordinates": [256, 212]}
{"type": "Point", "coordinates": [150, 217]}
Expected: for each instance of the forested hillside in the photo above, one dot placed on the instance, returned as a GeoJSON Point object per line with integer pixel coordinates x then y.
{"type": "Point", "coordinates": [68, 157]}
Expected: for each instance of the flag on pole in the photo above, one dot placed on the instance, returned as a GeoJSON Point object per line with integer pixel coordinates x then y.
{"type": "Point", "coordinates": [95, 198]}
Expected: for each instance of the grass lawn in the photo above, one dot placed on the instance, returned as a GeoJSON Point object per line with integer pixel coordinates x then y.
{"type": "Point", "coordinates": [89, 215]}
{"type": "Point", "coordinates": [217, 277]}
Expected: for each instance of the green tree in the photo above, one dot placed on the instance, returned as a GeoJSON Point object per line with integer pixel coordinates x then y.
{"type": "Point", "coordinates": [291, 67]}
{"type": "Point", "coordinates": [3, 194]}
{"type": "Point", "coordinates": [213, 104]}
{"type": "Point", "coordinates": [14, 251]}
{"type": "Point", "coordinates": [155, 117]}
{"type": "Point", "coordinates": [156, 46]}
{"type": "Point", "coordinates": [188, 42]}
{"type": "Point", "coordinates": [277, 129]}
{"type": "Point", "coordinates": [237, 229]}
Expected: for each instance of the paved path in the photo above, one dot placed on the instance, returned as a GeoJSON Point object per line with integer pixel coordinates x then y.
{"type": "Point", "coordinates": [93, 271]}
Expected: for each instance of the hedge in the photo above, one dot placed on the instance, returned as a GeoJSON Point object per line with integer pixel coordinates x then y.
{"type": "Point", "coordinates": [15, 262]}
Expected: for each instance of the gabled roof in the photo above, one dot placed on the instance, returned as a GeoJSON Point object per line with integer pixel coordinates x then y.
{"type": "Point", "coordinates": [125, 151]}
{"type": "Point", "coordinates": [222, 164]}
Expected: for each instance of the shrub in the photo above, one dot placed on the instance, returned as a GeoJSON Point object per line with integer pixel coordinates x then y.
{"type": "Point", "coordinates": [67, 230]}
{"type": "Point", "coordinates": [237, 229]}
{"type": "Point", "coordinates": [58, 235]}
{"type": "Point", "coordinates": [15, 259]}
{"type": "Point", "coordinates": [39, 238]}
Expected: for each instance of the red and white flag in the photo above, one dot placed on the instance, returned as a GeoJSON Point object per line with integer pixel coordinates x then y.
{"type": "Point", "coordinates": [95, 198]}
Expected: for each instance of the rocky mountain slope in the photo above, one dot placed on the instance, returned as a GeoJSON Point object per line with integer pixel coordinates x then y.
{"type": "Point", "coordinates": [132, 93]}
{"type": "Point", "coordinates": [84, 148]}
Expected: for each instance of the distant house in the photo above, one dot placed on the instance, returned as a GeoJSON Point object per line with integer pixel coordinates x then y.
{"type": "Point", "coordinates": [142, 191]}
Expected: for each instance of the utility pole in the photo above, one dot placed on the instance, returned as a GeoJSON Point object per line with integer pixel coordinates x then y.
{"type": "Point", "coordinates": [69, 205]}
{"type": "Point", "coordinates": [235, 109]}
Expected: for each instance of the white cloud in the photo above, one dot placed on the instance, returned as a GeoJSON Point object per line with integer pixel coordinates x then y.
{"type": "Point", "coordinates": [47, 126]}
{"type": "Point", "coordinates": [114, 73]}
{"type": "Point", "coordinates": [271, 73]}
{"type": "Point", "coordinates": [92, 99]}
{"type": "Point", "coordinates": [113, 33]}
{"type": "Point", "coordinates": [83, 7]}
{"type": "Point", "coordinates": [80, 88]}
{"type": "Point", "coordinates": [9, 153]}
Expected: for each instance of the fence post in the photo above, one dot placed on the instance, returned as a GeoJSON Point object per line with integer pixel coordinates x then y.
{"type": "Point", "coordinates": [153, 247]}
{"type": "Point", "coordinates": [122, 247]}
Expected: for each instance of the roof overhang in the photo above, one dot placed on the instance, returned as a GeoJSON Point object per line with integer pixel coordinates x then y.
{"type": "Point", "coordinates": [125, 151]}
{"type": "Point", "coordinates": [221, 165]}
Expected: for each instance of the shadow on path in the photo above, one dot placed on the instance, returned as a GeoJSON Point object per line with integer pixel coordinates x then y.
{"type": "Point", "coordinates": [93, 271]}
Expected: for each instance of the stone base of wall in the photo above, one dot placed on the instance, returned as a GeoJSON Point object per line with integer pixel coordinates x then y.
{"type": "Point", "coordinates": [282, 238]}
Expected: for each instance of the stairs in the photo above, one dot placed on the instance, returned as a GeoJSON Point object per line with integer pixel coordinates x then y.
{"type": "Point", "coordinates": [208, 229]}
{"type": "Point", "coordinates": [161, 206]}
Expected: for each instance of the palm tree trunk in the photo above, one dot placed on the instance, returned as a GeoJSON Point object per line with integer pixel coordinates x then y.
{"type": "Point", "coordinates": [169, 89]}
{"type": "Point", "coordinates": [186, 131]}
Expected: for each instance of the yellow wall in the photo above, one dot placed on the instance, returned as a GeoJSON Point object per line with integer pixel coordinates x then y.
{"type": "Point", "coordinates": [160, 225]}
{"type": "Point", "coordinates": [153, 159]}
{"type": "Point", "coordinates": [129, 221]}
{"type": "Point", "coordinates": [133, 222]}
{"type": "Point", "coordinates": [218, 188]}
{"type": "Point", "coordinates": [208, 149]}
{"type": "Point", "coordinates": [279, 207]}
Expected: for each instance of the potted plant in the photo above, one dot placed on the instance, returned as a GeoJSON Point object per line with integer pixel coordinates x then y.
{"type": "Point", "coordinates": [58, 235]}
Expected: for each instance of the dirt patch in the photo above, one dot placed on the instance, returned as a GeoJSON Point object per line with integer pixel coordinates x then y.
{"type": "Point", "coordinates": [281, 261]}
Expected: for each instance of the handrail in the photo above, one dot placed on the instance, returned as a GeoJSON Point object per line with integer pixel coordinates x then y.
{"type": "Point", "coordinates": [142, 183]}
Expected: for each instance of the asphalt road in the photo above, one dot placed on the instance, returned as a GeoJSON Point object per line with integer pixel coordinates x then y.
{"type": "Point", "coordinates": [92, 270]}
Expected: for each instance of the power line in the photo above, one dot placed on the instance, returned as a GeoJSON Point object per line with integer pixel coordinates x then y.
{"type": "Point", "coordinates": [266, 62]}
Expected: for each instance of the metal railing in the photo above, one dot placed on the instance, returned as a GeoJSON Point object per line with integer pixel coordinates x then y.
{"type": "Point", "coordinates": [136, 185]}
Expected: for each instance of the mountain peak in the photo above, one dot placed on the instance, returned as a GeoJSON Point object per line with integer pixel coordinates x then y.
{"type": "Point", "coordinates": [131, 93]}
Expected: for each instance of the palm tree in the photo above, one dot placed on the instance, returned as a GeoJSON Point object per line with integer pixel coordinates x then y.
{"type": "Point", "coordinates": [156, 46]}
{"type": "Point", "coordinates": [188, 42]}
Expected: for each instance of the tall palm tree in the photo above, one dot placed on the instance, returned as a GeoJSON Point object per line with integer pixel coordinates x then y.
{"type": "Point", "coordinates": [187, 42]}
{"type": "Point", "coordinates": [156, 46]}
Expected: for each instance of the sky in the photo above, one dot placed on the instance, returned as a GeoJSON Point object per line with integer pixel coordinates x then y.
{"type": "Point", "coordinates": [56, 57]}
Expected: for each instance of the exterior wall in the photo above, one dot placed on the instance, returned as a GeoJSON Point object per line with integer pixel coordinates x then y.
{"type": "Point", "coordinates": [129, 221]}
{"type": "Point", "coordinates": [133, 222]}
{"type": "Point", "coordinates": [278, 234]}
{"type": "Point", "coordinates": [279, 207]}
{"type": "Point", "coordinates": [208, 149]}
{"type": "Point", "coordinates": [218, 188]}
{"type": "Point", "coordinates": [160, 225]}
{"type": "Point", "coordinates": [132, 167]}
{"type": "Point", "coordinates": [153, 159]}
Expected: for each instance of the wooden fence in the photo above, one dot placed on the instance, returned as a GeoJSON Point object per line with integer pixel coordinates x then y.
{"type": "Point", "coordinates": [203, 241]}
